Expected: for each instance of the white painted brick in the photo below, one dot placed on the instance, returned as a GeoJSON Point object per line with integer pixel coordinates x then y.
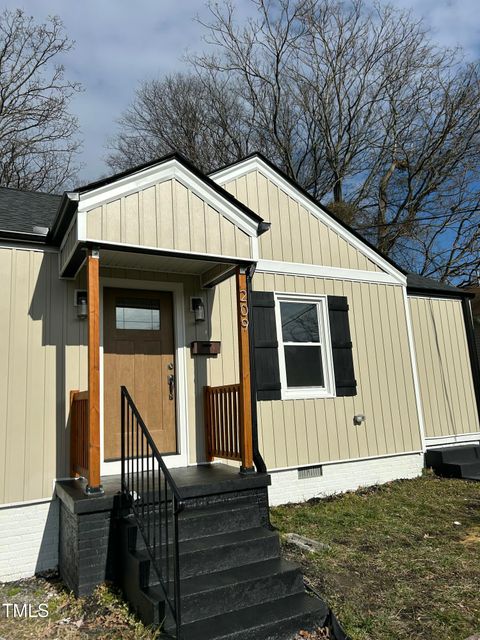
{"type": "Point", "coordinates": [343, 476]}
{"type": "Point", "coordinates": [28, 539]}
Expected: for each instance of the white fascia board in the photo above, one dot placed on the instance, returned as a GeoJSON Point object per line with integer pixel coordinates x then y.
{"type": "Point", "coordinates": [257, 164]}
{"type": "Point", "coordinates": [335, 273]}
{"type": "Point", "coordinates": [168, 170]}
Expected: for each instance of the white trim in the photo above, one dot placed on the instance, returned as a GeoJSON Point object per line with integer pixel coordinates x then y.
{"type": "Point", "coordinates": [26, 503]}
{"type": "Point", "coordinates": [321, 463]}
{"type": "Point", "coordinates": [299, 393]}
{"type": "Point", "coordinates": [171, 169]}
{"type": "Point", "coordinates": [335, 273]}
{"type": "Point", "coordinates": [461, 438]}
{"type": "Point", "coordinates": [181, 350]}
{"type": "Point", "coordinates": [413, 360]}
{"type": "Point", "coordinates": [257, 164]}
{"type": "Point", "coordinates": [255, 247]}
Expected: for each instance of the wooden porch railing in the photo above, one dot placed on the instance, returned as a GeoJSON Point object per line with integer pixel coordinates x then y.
{"type": "Point", "coordinates": [79, 441]}
{"type": "Point", "coordinates": [222, 422]}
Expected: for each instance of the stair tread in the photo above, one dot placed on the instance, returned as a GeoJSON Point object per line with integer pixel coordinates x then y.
{"type": "Point", "coordinates": [220, 540]}
{"type": "Point", "coordinates": [462, 463]}
{"type": "Point", "coordinates": [258, 617]}
{"type": "Point", "coordinates": [234, 576]}
{"type": "Point", "coordinates": [213, 509]}
{"type": "Point", "coordinates": [209, 510]}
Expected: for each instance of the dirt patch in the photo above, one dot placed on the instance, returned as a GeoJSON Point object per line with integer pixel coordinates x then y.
{"type": "Point", "coordinates": [472, 537]}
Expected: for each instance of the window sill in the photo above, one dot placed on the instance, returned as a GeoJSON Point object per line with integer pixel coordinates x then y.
{"type": "Point", "coordinates": [306, 394]}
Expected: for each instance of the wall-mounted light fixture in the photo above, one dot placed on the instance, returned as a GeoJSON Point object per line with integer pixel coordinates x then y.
{"type": "Point", "coordinates": [198, 309]}
{"type": "Point", "coordinates": [81, 304]}
{"type": "Point", "coordinates": [358, 419]}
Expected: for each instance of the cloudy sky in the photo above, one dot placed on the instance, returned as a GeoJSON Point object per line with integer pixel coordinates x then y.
{"type": "Point", "coordinates": [120, 42]}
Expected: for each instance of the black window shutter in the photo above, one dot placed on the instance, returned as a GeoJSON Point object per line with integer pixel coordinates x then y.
{"type": "Point", "coordinates": [345, 382]}
{"type": "Point", "coordinates": [265, 345]}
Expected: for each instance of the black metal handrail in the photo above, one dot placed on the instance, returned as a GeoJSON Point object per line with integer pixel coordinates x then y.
{"type": "Point", "coordinates": [155, 501]}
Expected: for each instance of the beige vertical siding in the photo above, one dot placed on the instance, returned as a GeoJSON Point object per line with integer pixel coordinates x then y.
{"type": "Point", "coordinates": [296, 235]}
{"type": "Point", "coordinates": [302, 432]}
{"type": "Point", "coordinates": [167, 216]}
{"type": "Point", "coordinates": [445, 376]}
{"type": "Point", "coordinates": [42, 357]}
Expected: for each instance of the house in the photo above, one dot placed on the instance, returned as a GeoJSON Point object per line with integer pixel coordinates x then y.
{"type": "Point", "coordinates": [159, 320]}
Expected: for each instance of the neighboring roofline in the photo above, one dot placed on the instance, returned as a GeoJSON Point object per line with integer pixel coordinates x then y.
{"type": "Point", "coordinates": [438, 293]}
{"type": "Point", "coordinates": [217, 174]}
{"type": "Point", "coordinates": [427, 287]}
{"type": "Point", "coordinates": [37, 193]}
{"type": "Point", "coordinates": [68, 205]}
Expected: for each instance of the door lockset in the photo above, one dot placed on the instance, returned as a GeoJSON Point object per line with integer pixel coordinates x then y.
{"type": "Point", "coordinates": [171, 386]}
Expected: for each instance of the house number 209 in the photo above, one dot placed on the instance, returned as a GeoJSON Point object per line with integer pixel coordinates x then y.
{"type": "Point", "coordinates": [242, 296]}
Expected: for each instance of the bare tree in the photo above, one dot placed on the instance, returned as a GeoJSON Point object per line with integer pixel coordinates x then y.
{"type": "Point", "coordinates": [38, 135]}
{"type": "Point", "coordinates": [355, 102]}
{"type": "Point", "coordinates": [186, 113]}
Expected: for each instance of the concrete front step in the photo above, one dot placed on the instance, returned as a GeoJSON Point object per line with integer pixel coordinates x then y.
{"type": "Point", "coordinates": [247, 585]}
{"type": "Point", "coordinates": [460, 470]}
{"type": "Point", "coordinates": [275, 620]}
{"type": "Point", "coordinates": [234, 585]}
{"type": "Point", "coordinates": [455, 462]}
{"type": "Point", "coordinates": [206, 521]}
{"type": "Point", "coordinates": [452, 455]}
{"type": "Point", "coordinates": [223, 551]}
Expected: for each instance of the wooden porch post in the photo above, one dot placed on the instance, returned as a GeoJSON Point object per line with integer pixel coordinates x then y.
{"type": "Point", "coordinates": [245, 400]}
{"type": "Point", "coordinates": [93, 293]}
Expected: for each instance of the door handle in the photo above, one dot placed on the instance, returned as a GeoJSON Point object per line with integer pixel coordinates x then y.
{"type": "Point", "coordinates": [171, 386]}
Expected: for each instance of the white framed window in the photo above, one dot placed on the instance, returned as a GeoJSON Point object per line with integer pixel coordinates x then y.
{"type": "Point", "coordinates": [305, 352]}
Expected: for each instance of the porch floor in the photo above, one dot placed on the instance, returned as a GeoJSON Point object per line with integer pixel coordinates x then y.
{"type": "Point", "coordinates": [192, 482]}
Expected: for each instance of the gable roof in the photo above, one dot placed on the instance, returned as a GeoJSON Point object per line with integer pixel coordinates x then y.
{"type": "Point", "coordinates": [21, 211]}
{"type": "Point", "coordinates": [135, 178]}
{"type": "Point", "coordinates": [237, 169]}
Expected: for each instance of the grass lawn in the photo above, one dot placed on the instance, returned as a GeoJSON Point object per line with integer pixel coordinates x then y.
{"type": "Point", "coordinates": [403, 559]}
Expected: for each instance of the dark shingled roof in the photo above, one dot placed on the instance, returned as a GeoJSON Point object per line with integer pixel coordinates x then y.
{"type": "Point", "coordinates": [420, 283]}
{"type": "Point", "coordinates": [20, 210]}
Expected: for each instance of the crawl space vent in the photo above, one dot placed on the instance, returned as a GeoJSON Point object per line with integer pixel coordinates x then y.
{"type": "Point", "coordinates": [310, 472]}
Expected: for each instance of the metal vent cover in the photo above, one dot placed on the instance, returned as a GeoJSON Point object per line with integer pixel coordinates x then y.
{"type": "Point", "coordinates": [304, 473]}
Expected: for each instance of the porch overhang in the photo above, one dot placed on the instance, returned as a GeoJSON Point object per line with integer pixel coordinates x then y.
{"type": "Point", "coordinates": [211, 269]}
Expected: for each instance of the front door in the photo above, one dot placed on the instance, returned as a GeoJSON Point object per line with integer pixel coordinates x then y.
{"type": "Point", "coordinates": [139, 354]}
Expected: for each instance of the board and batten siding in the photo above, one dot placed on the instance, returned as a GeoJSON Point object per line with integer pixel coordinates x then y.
{"type": "Point", "coordinates": [295, 235]}
{"type": "Point", "coordinates": [43, 355]}
{"type": "Point", "coordinates": [444, 371]}
{"type": "Point", "coordinates": [167, 216]}
{"type": "Point", "coordinates": [294, 433]}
